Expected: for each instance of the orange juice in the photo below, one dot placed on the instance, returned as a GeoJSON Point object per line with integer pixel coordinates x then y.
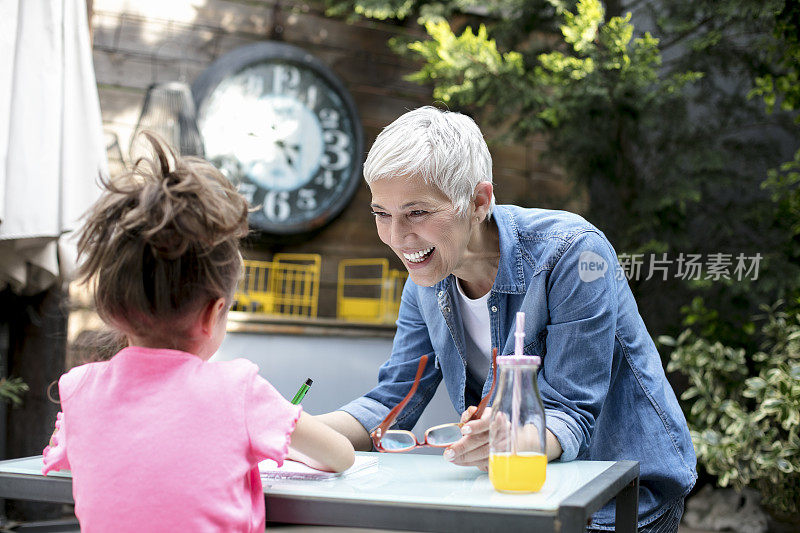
{"type": "Point", "coordinates": [523, 472]}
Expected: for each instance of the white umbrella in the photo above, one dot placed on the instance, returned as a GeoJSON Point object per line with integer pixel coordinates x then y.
{"type": "Point", "coordinates": [51, 138]}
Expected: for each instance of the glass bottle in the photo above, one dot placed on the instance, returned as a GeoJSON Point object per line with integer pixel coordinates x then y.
{"type": "Point", "coordinates": [517, 446]}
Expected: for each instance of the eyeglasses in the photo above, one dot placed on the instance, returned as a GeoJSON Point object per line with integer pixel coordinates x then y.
{"type": "Point", "coordinates": [397, 440]}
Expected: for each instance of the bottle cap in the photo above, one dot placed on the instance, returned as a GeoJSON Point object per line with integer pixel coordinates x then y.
{"type": "Point", "coordinates": [519, 360]}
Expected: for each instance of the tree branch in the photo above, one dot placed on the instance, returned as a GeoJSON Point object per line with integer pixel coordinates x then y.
{"type": "Point", "coordinates": [684, 34]}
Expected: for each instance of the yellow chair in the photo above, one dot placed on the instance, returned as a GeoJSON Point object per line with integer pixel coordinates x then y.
{"type": "Point", "coordinates": [286, 286]}
{"type": "Point", "coordinates": [368, 291]}
{"type": "Point", "coordinates": [295, 284]}
{"type": "Point", "coordinates": [254, 293]}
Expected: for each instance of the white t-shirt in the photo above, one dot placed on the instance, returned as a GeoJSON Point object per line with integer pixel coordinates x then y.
{"type": "Point", "coordinates": [478, 334]}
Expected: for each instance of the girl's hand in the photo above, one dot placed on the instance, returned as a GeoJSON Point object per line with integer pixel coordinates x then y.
{"type": "Point", "coordinates": [294, 455]}
{"type": "Point", "coordinates": [319, 446]}
{"type": "Point", "coordinates": [55, 454]}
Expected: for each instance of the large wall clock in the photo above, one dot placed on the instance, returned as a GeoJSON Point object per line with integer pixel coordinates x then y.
{"type": "Point", "coordinates": [280, 125]}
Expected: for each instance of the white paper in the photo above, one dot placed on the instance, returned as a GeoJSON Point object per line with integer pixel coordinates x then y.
{"type": "Point", "coordinates": [294, 470]}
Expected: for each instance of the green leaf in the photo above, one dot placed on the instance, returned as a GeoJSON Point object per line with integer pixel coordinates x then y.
{"type": "Point", "coordinates": [771, 403]}
{"type": "Point", "coordinates": [690, 393]}
{"type": "Point", "coordinates": [756, 384]}
{"type": "Point", "coordinates": [12, 390]}
{"type": "Point", "coordinates": [580, 29]}
{"type": "Point", "coordinates": [666, 340]}
{"type": "Point", "coordinates": [784, 466]}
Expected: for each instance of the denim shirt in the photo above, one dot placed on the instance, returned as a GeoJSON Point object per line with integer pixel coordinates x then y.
{"type": "Point", "coordinates": [602, 383]}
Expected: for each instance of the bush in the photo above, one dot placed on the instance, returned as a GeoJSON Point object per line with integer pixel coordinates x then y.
{"type": "Point", "coordinates": [12, 389]}
{"type": "Point", "coordinates": [744, 412]}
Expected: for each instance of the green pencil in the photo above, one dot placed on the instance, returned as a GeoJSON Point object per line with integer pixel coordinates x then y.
{"type": "Point", "coordinates": [302, 392]}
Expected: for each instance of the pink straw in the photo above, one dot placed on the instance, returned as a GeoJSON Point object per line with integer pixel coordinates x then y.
{"type": "Point", "coordinates": [516, 394]}
{"type": "Point", "coordinates": [519, 334]}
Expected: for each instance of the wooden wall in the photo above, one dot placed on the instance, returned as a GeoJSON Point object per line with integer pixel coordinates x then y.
{"type": "Point", "coordinates": [137, 42]}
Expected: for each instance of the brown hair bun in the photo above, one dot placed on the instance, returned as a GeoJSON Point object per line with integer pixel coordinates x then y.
{"type": "Point", "coordinates": [162, 239]}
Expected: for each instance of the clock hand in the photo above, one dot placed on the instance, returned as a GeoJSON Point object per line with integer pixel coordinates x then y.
{"type": "Point", "coordinates": [280, 145]}
{"type": "Point", "coordinates": [289, 152]}
{"type": "Point", "coordinates": [285, 153]}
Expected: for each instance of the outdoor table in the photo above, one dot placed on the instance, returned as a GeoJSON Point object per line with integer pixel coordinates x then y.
{"type": "Point", "coordinates": [410, 492]}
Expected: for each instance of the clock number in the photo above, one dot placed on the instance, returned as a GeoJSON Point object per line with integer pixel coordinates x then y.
{"type": "Point", "coordinates": [337, 143]}
{"type": "Point", "coordinates": [311, 97]}
{"type": "Point", "coordinates": [276, 205]}
{"type": "Point", "coordinates": [326, 179]}
{"type": "Point", "coordinates": [248, 190]}
{"type": "Point", "coordinates": [254, 85]}
{"type": "Point", "coordinates": [285, 78]}
{"type": "Point", "coordinates": [305, 199]}
{"type": "Point", "coordinates": [329, 118]}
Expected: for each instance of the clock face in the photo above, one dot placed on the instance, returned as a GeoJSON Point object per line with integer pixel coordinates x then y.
{"type": "Point", "coordinates": [281, 126]}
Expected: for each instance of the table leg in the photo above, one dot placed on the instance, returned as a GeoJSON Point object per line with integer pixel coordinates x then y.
{"type": "Point", "coordinates": [627, 512]}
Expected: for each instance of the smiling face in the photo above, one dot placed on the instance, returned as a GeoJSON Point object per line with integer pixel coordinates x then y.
{"type": "Point", "coordinates": [421, 225]}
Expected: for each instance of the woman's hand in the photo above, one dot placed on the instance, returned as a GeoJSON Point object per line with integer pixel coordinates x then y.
{"type": "Point", "coordinates": [473, 448]}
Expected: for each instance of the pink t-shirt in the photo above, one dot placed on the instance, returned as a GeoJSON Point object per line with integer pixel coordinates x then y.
{"type": "Point", "coordinates": [158, 440]}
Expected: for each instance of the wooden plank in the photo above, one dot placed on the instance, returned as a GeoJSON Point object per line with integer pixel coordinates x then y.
{"type": "Point", "coordinates": [138, 71]}
{"type": "Point", "coordinates": [359, 69]}
{"type": "Point", "coordinates": [541, 167]}
{"type": "Point", "coordinates": [370, 36]}
{"type": "Point", "coordinates": [509, 156]}
{"type": "Point", "coordinates": [255, 17]}
{"type": "Point", "coordinates": [163, 40]}
{"type": "Point", "coordinates": [120, 105]}
{"type": "Point", "coordinates": [550, 189]}
{"type": "Point", "coordinates": [509, 189]}
{"type": "Point", "coordinates": [190, 11]}
{"type": "Point", "coordinates": [152, 36]}
{"type": "Point", "coordinates": [378, 108]}
{"type": "Point", "coordinates": [120, 108]}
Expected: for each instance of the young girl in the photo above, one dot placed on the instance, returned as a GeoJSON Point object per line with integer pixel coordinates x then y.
{"type": "Point", "coordinates": [157, 438]}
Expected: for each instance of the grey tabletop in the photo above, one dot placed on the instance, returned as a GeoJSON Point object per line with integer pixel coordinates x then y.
{"type": "Point", "coordinates": [410, 492]}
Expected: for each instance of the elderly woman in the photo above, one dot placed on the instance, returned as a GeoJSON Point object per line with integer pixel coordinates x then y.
{"type": "Point", "coordinates": [472, 265]}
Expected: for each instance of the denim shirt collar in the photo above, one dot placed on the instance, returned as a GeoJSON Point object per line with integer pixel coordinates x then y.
{"type": "Point", "coordinates": [510, 278]}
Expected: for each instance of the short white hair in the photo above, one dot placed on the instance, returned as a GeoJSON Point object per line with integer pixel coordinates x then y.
{"type": "Point", "coordinates": [446, 149]}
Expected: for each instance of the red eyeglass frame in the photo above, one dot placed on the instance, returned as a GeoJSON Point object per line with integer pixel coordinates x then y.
{"type": "Point", "coordinates": [384, 426]}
